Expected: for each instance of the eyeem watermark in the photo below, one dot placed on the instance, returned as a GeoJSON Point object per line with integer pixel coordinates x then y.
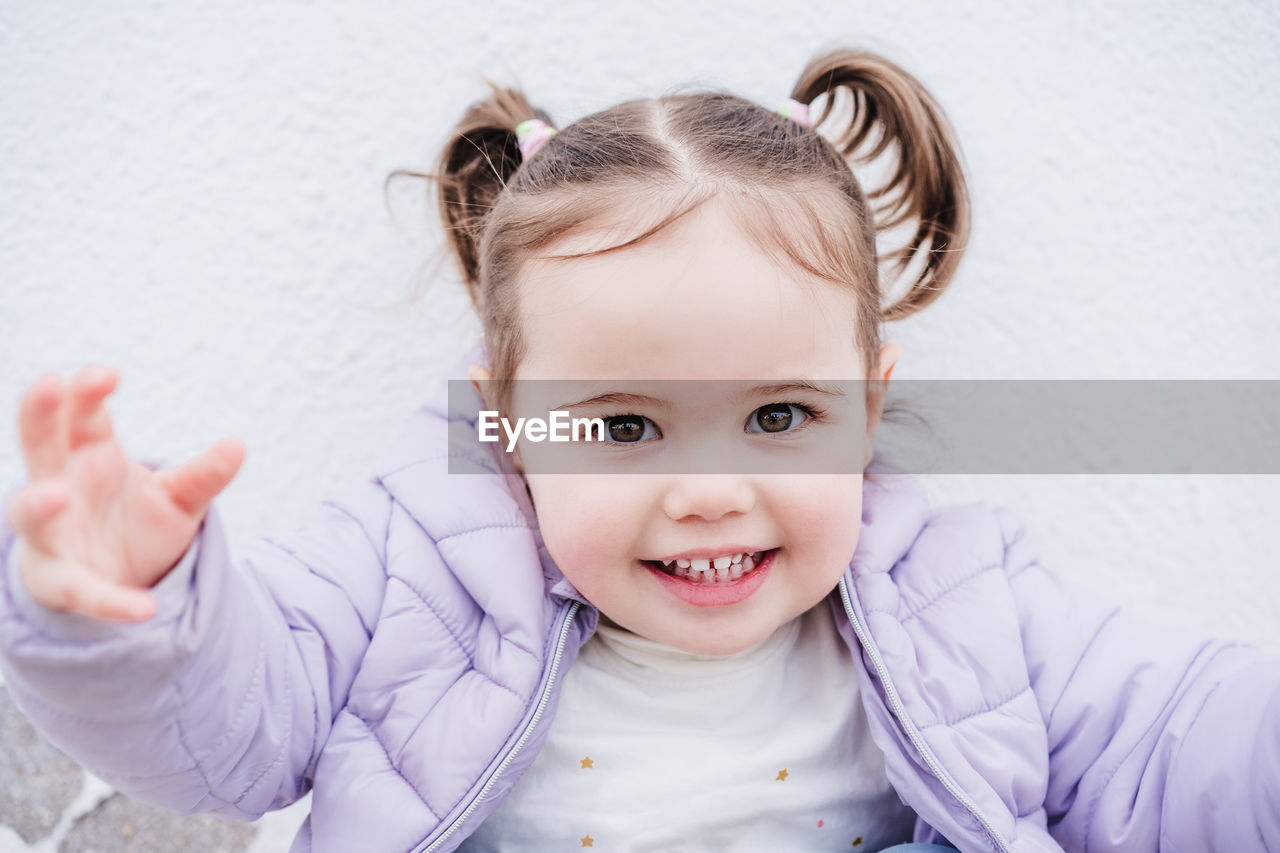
{"type": "Point", "coordinates": [559, 427]}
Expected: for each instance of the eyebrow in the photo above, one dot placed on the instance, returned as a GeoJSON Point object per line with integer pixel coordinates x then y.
{"type": "Point", "coordinates": [617, 398]}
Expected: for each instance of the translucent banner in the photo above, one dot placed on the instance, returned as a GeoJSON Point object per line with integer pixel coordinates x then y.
{"type": "Point", "coordinates": [824, 426]}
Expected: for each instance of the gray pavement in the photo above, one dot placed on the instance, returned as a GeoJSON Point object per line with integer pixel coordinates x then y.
{"type": "Point", "coordinates": [48, 804]}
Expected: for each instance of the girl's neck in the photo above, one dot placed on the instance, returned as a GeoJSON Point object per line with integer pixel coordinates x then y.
{"type": "Point", "coordinates": [637, 650]}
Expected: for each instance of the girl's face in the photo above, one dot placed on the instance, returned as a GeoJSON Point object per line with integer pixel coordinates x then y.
{"type": "Point", "coordinates": [698, 301]}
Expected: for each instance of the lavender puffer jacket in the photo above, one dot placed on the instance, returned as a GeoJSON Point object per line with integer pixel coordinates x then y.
{"type": "Point", "coordinates": [402, 657]}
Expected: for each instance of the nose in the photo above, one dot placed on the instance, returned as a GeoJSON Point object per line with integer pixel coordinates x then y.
{"type": "Point", "coordinates": [708, 496]}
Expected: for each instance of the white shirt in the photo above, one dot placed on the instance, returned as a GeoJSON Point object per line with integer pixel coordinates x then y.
{"type": "Point", "coordinates": [655, 749]}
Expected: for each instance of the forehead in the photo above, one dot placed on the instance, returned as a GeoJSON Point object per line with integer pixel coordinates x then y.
{"type": "Point", "coordinates": [699, 300]}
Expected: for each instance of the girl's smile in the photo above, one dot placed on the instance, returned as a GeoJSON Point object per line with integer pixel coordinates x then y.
{"type": "Point", "coordinates": [654, 546]}
{"type": "Point", "coordinates": [715, 583]}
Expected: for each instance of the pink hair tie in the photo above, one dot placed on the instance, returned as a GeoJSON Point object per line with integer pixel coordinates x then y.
{"type": "Point", "coordinates": [532, 134]}
{"type": "Point", "coordinates": [796, 111]}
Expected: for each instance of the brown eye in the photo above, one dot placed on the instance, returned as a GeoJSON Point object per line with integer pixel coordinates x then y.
{"type": "Point", "coordinates": [626, 429]}
{"type": "Point", "coordinates": [775, 418]}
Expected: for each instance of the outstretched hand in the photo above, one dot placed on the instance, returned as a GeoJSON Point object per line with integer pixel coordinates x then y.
{"type": "Point", "coordinates": [96, 528]}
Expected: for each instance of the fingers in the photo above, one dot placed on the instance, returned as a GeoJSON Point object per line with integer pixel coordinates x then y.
{"type": "Point", "coordinates": [54, 419]}
{"type": "Point", "coordinates": [42, 427]}
{"type": "Point", "coordinates": [33, 509]}
{"type": "Point", "coordinates": [193, 486]}
{"type": "Point", "coordinates": [94, 595]}
{"type": "Point", "coordinates": [63, 586]}
{"type": "Point", "coordinates": [87, 418]}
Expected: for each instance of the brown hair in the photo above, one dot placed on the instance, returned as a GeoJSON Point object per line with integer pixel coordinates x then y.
{"type": "Point", "coordinates": [667, 155]}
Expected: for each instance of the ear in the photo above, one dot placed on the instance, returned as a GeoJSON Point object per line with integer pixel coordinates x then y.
{"type": "Point", "coordinates": [876, 391]}
{"type": "Point", "coordinates": [888, 361]}
{"type": "Point", "coordinates": [478, 373]}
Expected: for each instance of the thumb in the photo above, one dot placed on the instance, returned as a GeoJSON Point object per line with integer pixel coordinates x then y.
{"type": "Point", "coordinates": [194, 485]}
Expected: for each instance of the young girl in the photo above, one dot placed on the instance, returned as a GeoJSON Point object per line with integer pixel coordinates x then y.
{"type": "Point", "coordinates": [525, 660]}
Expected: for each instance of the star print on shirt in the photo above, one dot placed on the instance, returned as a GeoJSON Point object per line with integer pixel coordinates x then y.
{"type": "Point", "coordinates": [782, 775]}
{"type": "Point", "coordinates": [586, 764]}
{"type": "Point", "coordinates": [588, 841]}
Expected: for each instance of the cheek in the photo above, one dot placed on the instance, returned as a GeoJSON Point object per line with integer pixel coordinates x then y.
{"type": "Point", "coordinates": [584, 520]}
{"type": "Point", "coordinates": [827, 516]}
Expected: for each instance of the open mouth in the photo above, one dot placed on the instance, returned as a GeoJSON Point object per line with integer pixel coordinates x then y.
{"type": "Point", "coordinates": [711, 572]}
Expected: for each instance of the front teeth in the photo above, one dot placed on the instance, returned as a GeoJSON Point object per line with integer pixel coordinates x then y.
{"type": "Point", "coordinates": [721, 570]}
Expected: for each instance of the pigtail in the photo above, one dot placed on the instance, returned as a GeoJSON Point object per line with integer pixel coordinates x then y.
{"type": "Point", "coordinates": [481, 156]}
{"type": "Point", "coordinates": [927, 185]}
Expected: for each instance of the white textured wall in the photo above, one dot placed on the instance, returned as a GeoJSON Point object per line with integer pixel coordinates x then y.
{"type": "Point", "coordinates": [194, 194]}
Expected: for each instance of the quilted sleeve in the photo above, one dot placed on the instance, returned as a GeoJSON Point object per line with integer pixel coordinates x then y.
{"type": "Point", "coordinates": [1159, 739]}
{"type": "Point", "coordinates": [221, 702]}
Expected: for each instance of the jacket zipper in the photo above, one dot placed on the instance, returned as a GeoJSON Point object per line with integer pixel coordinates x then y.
{"type": "Point", "coordinates": [566, 621]}
{"type": "Point", "coordinates": [912, 732]}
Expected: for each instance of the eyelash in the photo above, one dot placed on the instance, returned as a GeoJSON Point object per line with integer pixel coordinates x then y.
{"type": "Point", "coordinates": [813, 414]}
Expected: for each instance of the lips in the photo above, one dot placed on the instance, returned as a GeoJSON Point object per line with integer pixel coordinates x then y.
{"type": "Point", "coordinates": [706, 589]}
